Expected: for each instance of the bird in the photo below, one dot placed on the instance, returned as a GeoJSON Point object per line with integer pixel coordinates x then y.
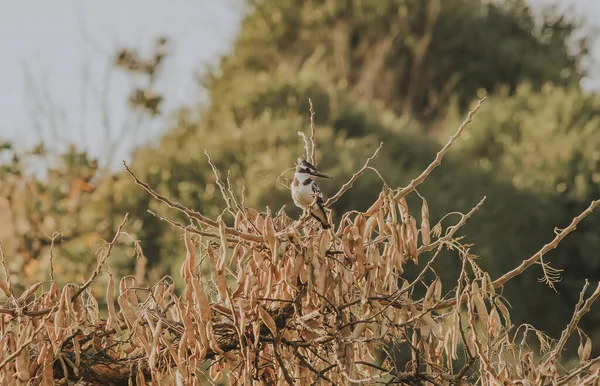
{"type": "Point", "coordinates": [306, 193]}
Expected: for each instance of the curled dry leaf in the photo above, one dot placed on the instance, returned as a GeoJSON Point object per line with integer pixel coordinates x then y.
{"type": "Point", "coordinates": [190, 261]}
{"type": "Point", "coordinates": [268, 320]}
{"type": "Point", "coordinates": [309, 306]}
{"type": "Point", "coordinates": [425, 229]}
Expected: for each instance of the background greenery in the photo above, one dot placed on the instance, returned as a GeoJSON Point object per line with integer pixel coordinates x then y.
{"type": "Point", "coordinates": [401, 71]}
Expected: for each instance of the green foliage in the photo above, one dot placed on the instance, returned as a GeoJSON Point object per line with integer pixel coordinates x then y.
{"type": "Point", "coordinates": [413, 56]}
{"type": "Point", "coordinates": [546, 143]}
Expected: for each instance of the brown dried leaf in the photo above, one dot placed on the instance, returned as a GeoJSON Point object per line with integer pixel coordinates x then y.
{"type": "Point", "coordinates": [202, 300]}
{"type": "Point", "coordinates": [268, 321]}
{"type": "Point", "coordinates": [584, 350]}
{"type": "Point", "coordinates": [425, 227]}
{"type": "Point", "coordinates": [376, 205]}
{"type": "Point", "coordinates": [190, 261]}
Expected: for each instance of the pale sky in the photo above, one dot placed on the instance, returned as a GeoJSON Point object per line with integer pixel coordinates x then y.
{"type": "Point", "coordinates": [55, 55]}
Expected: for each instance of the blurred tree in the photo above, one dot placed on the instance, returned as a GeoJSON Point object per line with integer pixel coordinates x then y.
{"type": "Point", "coordinates": [546, 143]}
{"type": "Point", "coordinates": [376, 71]}
{"type": "Point", "coordinates": [412, 56]}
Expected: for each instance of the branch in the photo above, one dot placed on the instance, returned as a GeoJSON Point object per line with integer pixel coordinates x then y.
{"type": "Point", "coordinates": [455, 228]}
{"type": "Point", "coordinates": [355, 177]}
{"type": "Point", "coordinates": [548, 247]}
{"type": "Point", "coordinates": [580, 309]}
{"type": "Point", "coordinates": [438, 158]}
{"type": "Point", "coordinates": [191, 213]}
{"type": "Point", "coordinates": [313, 134]}
{"type": "Point", "coordinates": [29, 340]}
{"type": "Point", "coordinates": [577, 371]}
{"type": "Point", "coordinates": [101, 260]}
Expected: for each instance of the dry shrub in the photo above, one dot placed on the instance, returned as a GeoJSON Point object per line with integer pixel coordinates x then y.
{"type": "Point", "coordinates": [288, 303]}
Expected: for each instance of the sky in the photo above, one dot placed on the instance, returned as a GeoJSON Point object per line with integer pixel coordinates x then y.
{"type": "Point", "coordinates": [57, 82]}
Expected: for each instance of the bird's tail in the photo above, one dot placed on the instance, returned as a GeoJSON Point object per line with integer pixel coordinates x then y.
{"type": "Point", "coordinates": [319, 213]}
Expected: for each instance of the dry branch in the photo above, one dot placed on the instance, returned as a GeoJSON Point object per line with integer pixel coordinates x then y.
{"type": "Point", "coordinates": [438, 158]}
{"type": "Point", "coordinates": [101, 260]}
{"type": "Point", "coordinates": [189, 212]}
{"type": "Point", "coordinates": [313, 135]}
{"type": "Point", "coordinates": [353, 179]}
{"type": "Point", "coordinates": [289, 304]}
{"type": "Point", "coordinates": [548, 247]}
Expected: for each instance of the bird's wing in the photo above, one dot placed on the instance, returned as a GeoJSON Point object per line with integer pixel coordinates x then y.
{"type": "Point", "coordinates": [317, 192]}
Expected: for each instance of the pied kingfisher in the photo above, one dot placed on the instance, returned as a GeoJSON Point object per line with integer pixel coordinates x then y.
{"type": "Point", "coordinates": [305, 191]}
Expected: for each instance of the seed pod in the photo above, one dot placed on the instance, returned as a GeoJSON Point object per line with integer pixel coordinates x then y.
{"type": "Point", "coordinates": [112, 320]}
{"type": "Point", "coordinates": [239, 217]}
{"type": "Point", "coordinates": [425, 226]}
{"type": "Point", "coordinates": [410, 240]}
{"type": "Point", "coordinates": [189, 263]}
{"type": "Point", "coordinates": [376, 205]}
{"type": "Point", "coordinates": [202, 299]}
{"type": "Point", "coordinates": [29, 291]}
{"type": "Point", "coordinates": [268, 321]}
{"type": "Point", "coordinates": [403, 208]}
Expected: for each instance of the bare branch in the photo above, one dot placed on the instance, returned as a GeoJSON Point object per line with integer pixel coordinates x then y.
{"type": "Point", "coordinates": [101, 260]}
{"type": "Point", "coordinates": [438, 158]}
{"type": "Point", "coordinates": [548, 247]}
{"type": "Point", "coordinates": [191, 213]}
{"type": "Point", "coordinates": [352, 180]}
{"type": "Point", "coordinates": [313, 135]}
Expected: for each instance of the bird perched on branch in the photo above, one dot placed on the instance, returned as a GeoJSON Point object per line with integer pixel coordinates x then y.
{"type": "Point", "coordinates": [306, 193]}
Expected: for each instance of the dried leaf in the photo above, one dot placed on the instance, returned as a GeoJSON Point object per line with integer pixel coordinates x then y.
{"type": "Point", "coordinates": [268, 321]}
{"type": "Point", "coordinates": [425, 227]}
{"type": "Point", "coordinates": [202, 299]}
{"type": "Point", "coordinates": [584, 350]}
{"type": "Point", "coordinates": [376, 205]}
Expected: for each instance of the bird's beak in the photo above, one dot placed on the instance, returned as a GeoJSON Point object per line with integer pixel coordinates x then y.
{"type": "Point", "coordinates": [317, 173]}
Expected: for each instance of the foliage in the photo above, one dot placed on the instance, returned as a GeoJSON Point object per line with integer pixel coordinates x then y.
{"type": "Point", "coordinates": [287, 301]}
{"type": "Point", "coordinates": [547, 143]}
{"type": "Point", "coordinates": [40, 210]}
{"type": "Point", "coordinates": [412, 56]}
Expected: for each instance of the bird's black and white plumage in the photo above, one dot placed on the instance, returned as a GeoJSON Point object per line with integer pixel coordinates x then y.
{"type": "Point", "coordinates": [306, 193]}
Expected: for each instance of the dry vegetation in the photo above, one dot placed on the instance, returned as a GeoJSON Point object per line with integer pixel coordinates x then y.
{"type": "Point", "coordinates": [288, 303]}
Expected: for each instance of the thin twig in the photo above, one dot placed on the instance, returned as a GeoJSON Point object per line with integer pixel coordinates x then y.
{"type": "Point", "coordinates": [313, 135]}
{"type": "Point", "coordinates": [220, 184]}
{"type": "Point", "coordinates": [355, 177]}
{"type": "Point", "coordinates": [438, 158]}
{"type": "Point", "coordinates": [548, 247]}
{"type": "Point", "coordinates": [187, 227]}
{"type": "Point", "coordinates": [189, 212]}
{"type": "Point", "coordinates": [101, 260]}
{"type": "Point", "coordinates": [581, 309]}
{"type": "Point", "coordinates": [286, 374]}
